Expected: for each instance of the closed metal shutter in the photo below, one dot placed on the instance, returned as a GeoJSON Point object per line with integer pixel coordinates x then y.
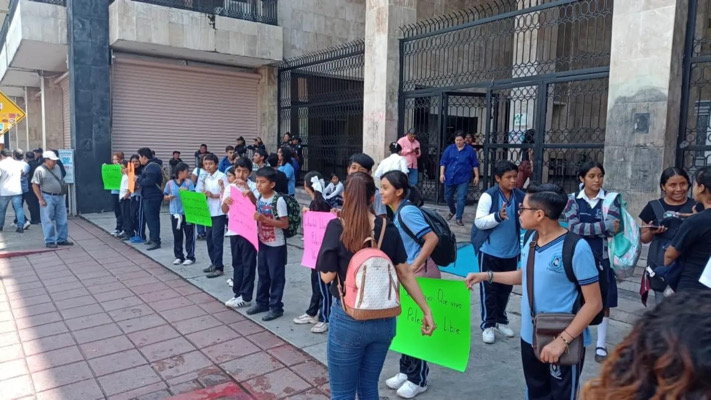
{"type": "Point", "coordinates": [167, 107]}
{"type": "Point", "coordinates": [64, 84]}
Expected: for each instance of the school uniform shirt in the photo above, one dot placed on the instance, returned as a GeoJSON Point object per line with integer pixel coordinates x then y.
{"type": "Point", "coordinates": [505, 237]}
{"type": "Point", "coordinates": [553, 292]}
{"type": "Point", "coordinates": [123, 188]}
{"type": "Point", "coordinates": [693, 241]}
{"type": "Point", "coordinates": [415, 221]}
{"type": "Point", "coordinates": [585, 218]}
{"type": "Point", "coordinates": [270, 235]}
{"type": "Point", "coordinates": [173, 188]}
{"type": "Point", "coordinates": [333, 190]}
{"type": "Point", "coordinates": [394, 162]}
{"type": "Point", "coordinates": [228, 195]}
{"type": "Point", "coordinates": [334, 257]}
{"type": "Point", "coordinates": [211, 183]}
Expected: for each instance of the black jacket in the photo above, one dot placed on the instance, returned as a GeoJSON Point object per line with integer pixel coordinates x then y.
{"type": "Point", "coordinates": [150, 180]}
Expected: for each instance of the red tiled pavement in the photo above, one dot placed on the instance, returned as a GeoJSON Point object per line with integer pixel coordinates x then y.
{"type": "Point", "coordinates": [102, 321]}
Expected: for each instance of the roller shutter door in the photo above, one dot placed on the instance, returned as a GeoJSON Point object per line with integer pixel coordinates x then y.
{"type": "Point", "coordinates": [169, 107]}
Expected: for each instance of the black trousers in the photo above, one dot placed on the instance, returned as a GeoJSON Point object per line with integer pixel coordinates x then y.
{"type": "Point", "coordinates": [34, 207]}
{"type": "Point", "coordinates": [244, 264]}
{"type": "Point", "coordinates": [185, 232]}
{"type": "Point", "coordinates": [127, 216]}
{"type": "Point", "coordinates": [139, 222]}
{"type": "Point", "coordinates": [549, 381]}
{"type": "Point", "coordinates": [495, 296]}
{"type": "Point", "coordinates": [321, 299]}
{"type": "Point", "coordinates": [216, 241]}
{"type": "Point", "coordinates": [416, 370]}
{"type": "Point", "coordinates": [151, 213]}
{"type": "Point", "coordinates": [117, 212]}
{"type": "Point", "coordinates": [271, 267]}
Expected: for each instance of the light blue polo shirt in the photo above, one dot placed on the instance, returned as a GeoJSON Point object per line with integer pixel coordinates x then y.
{"type": "Point", "coordinates": [554, 293]}
{"type": "Point", "coordinates": [415, 221]}
{"type": "Point", "coordinates": [504, 239]}
{"type": "Point", "coordinates": [172, 188]}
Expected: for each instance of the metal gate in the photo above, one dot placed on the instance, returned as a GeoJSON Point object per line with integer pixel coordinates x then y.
{"type": "Point", "coordinates": [694, 145]}
{"type": "Point", "coordinates": [321, 101]}
{"type": "Point", "coordinates": [527, 79]}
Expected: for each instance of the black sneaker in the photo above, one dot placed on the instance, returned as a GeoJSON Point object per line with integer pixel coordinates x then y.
{"type": "Point", "coordinates": [154, 247]}
{"type": "Point", "coordinates": [256, 309]}
{"type": "Point", "coordinates": [216, 273]}
{"type": "Point", "coordinates": [450, 216]}
{"type": "Point", "coordinates": [51, 245]}
{"type": "Point", "coordinates": [148, 243]}
{"type": "Point", "coordinates": [272, 315]}
{"type": "Point", "coordinates": [65, 243]}
{"type": "Point", "coordinates": [20, 230]}
{"type": "Point", "coordinates": [460, 223]}
{"type": "Point", "coordinates": [211, 268]}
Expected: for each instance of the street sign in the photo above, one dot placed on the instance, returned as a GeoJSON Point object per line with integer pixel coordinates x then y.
{"type": "Point", "coordinates": [10, 114]}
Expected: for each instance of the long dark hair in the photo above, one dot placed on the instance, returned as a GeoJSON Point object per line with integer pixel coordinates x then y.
{"type": "Point", "coordinates": [286, 155]}
{"type": "Point", "coordinates": [357, 209]}
{"type": "Point", "coordinates": [703, 177]}
{"type": "Point", "coordinates": [399, 181]}
{"type": "Point", "coordinates": [318, 203]}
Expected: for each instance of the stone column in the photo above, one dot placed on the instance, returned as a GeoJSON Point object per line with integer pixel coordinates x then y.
{"type": "Point", "coordinates": [383, 18]}
{"type": "Point", "coordinates": [644, 96]}
{"type": "Point", "coordinates": [90, 99]}
{"type": "Point", "coordinates": [268, 107]}
{"type": "Point", "coordinates": [53, 114]}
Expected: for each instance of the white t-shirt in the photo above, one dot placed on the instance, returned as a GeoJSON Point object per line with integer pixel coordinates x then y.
{"type": "Point", "coordinates": [228, 194]}
{"type": "Point", "coordinates": [10, 177]}
{"type": "Point", "coordinates": [269, 235]}
{"type": "Point", "coordinates": [123, 189]}
{"type": "Point", "coordinates": [394, 162]}
{"type": "Point", "coordinates": [211, 183]}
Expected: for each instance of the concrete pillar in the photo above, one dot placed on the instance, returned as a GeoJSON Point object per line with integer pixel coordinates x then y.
{"type": "Point", "coordinates": [90, 99]}
{"type": "Point", "coordinates": [53, 115]}
{"type": "Point", "coordinates": [383, 18]}
{"type": "Point", "coordinates": [33, 118]}
{"type": "Point", "coordinates": [644, 96]}
{"type": "Point", "coordinates": [268, 107]}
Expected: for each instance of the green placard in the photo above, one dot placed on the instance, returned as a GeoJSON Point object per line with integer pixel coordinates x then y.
{"type": "Point", "coordinates": [195, 206]}
{"type": "Point", "coordinates": [111, 175]}
{"type": "Point", "coordinates": [449, 344]}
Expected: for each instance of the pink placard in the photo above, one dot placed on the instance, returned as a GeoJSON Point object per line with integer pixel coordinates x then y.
{"type": "Point", "coordinates": [314, 230]}
{"type": "Point", "coordinates": [241, 217]}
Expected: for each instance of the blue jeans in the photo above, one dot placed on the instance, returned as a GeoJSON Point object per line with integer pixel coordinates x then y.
{"type": "Point", "coordinates": [16, 205]}
{"type": "Point", "coordinates": [461, 191]}
{"type": "Point", "coordinates": [55, 213]}
{"type": "Point", "coordinates": [412, 176]}
{"type": "Point", "coordinates": [356, 353]}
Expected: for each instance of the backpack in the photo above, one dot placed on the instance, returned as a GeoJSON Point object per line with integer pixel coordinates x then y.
{"type": "Point", "coordinates": [446, 251]}
{"type": "Point", "coordinates": [293, 209]}
{"type": "Point", "coordinates": [571, 240]}
{"type": "Point", "coordinates": [372, 289]}
{"type": "Point", "coordinates": [625, 247]}
{"type": "Point", "coordinates": [481, 236]}
{"type": "Point", "coordinates": [164, 176]}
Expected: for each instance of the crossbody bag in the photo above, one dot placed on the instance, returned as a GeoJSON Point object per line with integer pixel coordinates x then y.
{"type": "Point", "coordinates": [547, 326]}
{"type": "Point", "coordinates": [63, 185]}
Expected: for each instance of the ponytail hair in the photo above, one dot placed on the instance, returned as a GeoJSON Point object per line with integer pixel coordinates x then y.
{"type": "Point", "coordinates": [319, 203]}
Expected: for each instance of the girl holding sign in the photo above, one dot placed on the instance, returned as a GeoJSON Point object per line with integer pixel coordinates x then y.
{"type": "Point", "coordinates": [181, 227]}
{"type": "Point", "coordinates": [320, 292]}
{"type": "Point", "coordinates": [397, 194]}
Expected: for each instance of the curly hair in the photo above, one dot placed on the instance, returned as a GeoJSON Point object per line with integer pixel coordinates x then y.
{"type": "Point", "coordinates": [666, 356]}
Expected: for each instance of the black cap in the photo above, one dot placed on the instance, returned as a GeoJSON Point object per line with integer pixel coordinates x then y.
{"type": "Point", "coordinates": [176, 151]}
{"type": "Point", "coordinates": [38, 150]}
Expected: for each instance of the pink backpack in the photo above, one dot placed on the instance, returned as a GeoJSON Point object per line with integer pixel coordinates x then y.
{"type": "Point", "coordinates": [372, 289]}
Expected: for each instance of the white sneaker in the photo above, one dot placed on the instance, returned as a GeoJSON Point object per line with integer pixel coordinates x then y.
{"type": "Point", "coordinates": [237, 302]}
{"type": "Point", "coordinates": [115, 232]}
{"type": "Point", "coordinates": [408, 390]}
{"type": "Point", "coordinates": [505, 330]}
{"type": "Point", "coordinates": [305, 319]}
{"type": "Point", "coordinates": [396, 381]}
{"type": "Point", "coordinates": [230, 282]}
{"type": "Point", "coordinates": [488, 336]}
{"type": "Point", "coordinates": [320, 327]}
{"type": "Point", "coordinates": [188, 262]}
{"type": "Point", "coordinates": [27, 225]}
{"type": "Point", "coordinates": [177, 261]}
{"type": "Point", "coordinates": [14, 225]}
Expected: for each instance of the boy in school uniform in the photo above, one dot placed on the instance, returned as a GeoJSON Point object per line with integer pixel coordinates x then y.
{"type": "Point", "coordinates": [497, 218]}
{"type": "Point", "coordinates": [361, 162]}
{"type": "Point", "coordinates": [244, 255]}
{"type": "Point", "coordinates": [272, 219]}
{"type": "Point", "coordinates": [125, 204]}
{"type": "Point", "coordinates": [181, 228]}
{"type": "Point", "coordinates": [213, 186]}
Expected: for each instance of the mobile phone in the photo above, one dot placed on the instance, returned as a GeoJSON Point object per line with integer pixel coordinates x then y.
{"type": "Point", "coordinates": [650, 226]}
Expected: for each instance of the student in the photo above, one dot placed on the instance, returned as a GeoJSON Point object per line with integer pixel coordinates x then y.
{"type": "Point", "coordinates": [259, 160]}
{"type": "Point", "coordinates": [662, 220]}
{"type": "Point", "coordinates": [125, 204]}
{"type": "Point", "coordinates": [553, 293]}
{"type": "Point", "coordinates": [320, 292]}
{"type": "Point", "coordinates": [244, 255]}
{"type": "Point", "coordinates": [199, 174]}
{"type": "Point", "coordinates": [181, 228]}
{"type": "Point", "coordinates": [356, 349]}
{"type": "Point", "coordinates": [692, 244]}
{"type": "Point", "coordinates": [117, 159]}
{"type": "Point", "coordinates": [397, 195]}
{"type": "Point", "coordinates": [227, 159]}
{"type": "Point", "coordinates": [139, 222]}
{"type": "Point", "coordinates": [585, 217]}
{"type": "Point", "coordinates": [240, 147]}
{"type": "Point", "coordinates": [173, 162]}
{"type": "Point", "coordinates": [333, 192]}
{"type": "Point", "coordinates": [282, 182]}
{"type": "Point", "coordinates": [500, 252]}
{"type": "Point", "coordinates": [394, 162]}
{"type": "Point", "coordinates": [272, 219]}
{"type": "Point", "coordinates": [361, 162]}
{"type": "Point", "coordinates": [213, 186]}
{"type": "Point", "coordinates": [286, 166]}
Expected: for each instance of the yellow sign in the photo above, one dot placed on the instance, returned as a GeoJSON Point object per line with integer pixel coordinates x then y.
{"type": "Point", "coordinates": [10, 114]}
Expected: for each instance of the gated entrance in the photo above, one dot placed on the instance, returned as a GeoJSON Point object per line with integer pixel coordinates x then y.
{"type": "Point", "coordinates": [528, 79]}
{"type": "Point", "coordinates": [694, 146]}
{"type": "Point", "coordinates": [321, 101]}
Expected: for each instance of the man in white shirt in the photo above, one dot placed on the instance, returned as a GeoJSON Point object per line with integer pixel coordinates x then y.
{"type": "Point", "coordinates": [213, 185]}
{"type": "Point", "coordinates": [11, 188]}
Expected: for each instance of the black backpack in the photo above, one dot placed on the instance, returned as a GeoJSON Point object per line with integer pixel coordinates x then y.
{"type": "Point", "coordinates": [571, 240]}
{"type": "Point", "coordinates": [446, 251]}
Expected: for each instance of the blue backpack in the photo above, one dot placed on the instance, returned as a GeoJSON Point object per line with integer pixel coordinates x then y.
{"type": "Point", "coordinates": [480, 236]}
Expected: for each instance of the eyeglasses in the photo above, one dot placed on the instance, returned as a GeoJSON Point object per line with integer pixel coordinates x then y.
{"type": "Point", "coordinates": [521, 208]}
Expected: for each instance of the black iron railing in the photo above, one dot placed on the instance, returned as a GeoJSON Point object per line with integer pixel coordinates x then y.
{"type": "Point", "coordinates": [263, 11]}
{"type": "Point", "coordinates": [11, 14]}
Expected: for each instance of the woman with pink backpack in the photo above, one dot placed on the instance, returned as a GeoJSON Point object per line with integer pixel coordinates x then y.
{"type": "Point", "coordinates": [366, 261]}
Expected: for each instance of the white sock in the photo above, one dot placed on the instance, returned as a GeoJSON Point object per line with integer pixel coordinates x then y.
{"type": "Point", "coordinates": [602, 333]}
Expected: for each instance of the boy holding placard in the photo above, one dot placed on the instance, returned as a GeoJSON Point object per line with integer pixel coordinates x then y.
{"type": "Point", "coordinates": [272, 218]}
{"type": "Point", "coordinates": [213, 186]}
{"type": "Point", "coordinates": [181, 228]}
{"type": "Point", "coordinates": [244, 255]}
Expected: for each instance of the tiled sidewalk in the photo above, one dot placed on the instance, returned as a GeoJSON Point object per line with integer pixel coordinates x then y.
{"type": "Point", "coordinates": [101, 320]}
